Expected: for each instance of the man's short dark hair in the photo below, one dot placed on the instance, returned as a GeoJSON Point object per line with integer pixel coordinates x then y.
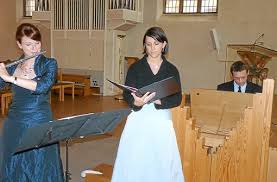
{"type": "Point", "coordinates": [238, 66]}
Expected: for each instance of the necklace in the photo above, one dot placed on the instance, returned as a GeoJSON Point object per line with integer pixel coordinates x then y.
{"type": "Point", "coordinates": [26, 70]}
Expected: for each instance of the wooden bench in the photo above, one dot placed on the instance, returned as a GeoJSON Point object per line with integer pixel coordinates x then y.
{"type": "Point", "coordinates": [6, 97]}
{"type": "Point", "coordinates": [59, 88]}
{"type": "Point", "coordinates": [82, 83]}
{"type": "Point", "coordinates": [65, 85]}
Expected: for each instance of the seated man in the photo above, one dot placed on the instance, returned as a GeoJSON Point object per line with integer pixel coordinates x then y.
{"type": "Point", "coordinates": [239, 71]}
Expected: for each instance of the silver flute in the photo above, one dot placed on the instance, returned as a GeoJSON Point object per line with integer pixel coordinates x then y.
{"type": "Point", "coordinates": [17, 61]}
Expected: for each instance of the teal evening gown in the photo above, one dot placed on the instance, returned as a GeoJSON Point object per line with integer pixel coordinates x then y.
{"type": "Point", "coordinates": [30, 108]}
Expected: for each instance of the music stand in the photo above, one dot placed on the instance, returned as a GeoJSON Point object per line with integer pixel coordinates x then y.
{"type": "Point", "coordinates": [68, 128]}
{"type": "Point", "coordinates": [255, 57]}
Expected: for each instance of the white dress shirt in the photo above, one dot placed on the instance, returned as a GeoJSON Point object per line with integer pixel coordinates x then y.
{"type": "Point", "coordinates": [242, 88]}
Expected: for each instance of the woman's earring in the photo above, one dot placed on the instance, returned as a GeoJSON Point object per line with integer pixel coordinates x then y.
{"type": "Point", "coordinates": [163, 49]}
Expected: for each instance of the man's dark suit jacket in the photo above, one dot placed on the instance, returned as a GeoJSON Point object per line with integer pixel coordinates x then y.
{"type": "Point", "coordinates": [250, 87]}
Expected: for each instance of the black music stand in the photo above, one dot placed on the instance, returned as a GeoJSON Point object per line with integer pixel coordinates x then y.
{"type": "Point", "coordinates": [69, 128]}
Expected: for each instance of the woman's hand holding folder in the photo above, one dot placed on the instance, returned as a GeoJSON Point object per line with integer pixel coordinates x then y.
{"type": "Point", "coordinates": [153, 92]}
{"type": "Point", "coordinates": [140, 101]}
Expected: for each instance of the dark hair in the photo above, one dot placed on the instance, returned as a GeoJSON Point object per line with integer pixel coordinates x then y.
{"type": "Point", "coordinates": [28, 30]}
{"type": "Point", "coordinates": [158, 34]}
{"type": "Point", "coordinates": [238, 66]}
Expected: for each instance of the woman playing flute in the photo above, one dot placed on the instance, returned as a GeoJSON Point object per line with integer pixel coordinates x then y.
{"type": "Point", "coordinates": [30, 82]}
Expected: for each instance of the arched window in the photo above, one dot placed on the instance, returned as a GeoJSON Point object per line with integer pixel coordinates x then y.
{"type": "Point", "coordinates": [190, 6]}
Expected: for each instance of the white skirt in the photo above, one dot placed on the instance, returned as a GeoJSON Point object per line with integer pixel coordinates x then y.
{"type": "Point", "coordinates": [148, 150]}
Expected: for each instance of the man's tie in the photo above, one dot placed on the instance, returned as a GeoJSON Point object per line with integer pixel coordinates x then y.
{"type": "Point", "coordinates": [239, 90]}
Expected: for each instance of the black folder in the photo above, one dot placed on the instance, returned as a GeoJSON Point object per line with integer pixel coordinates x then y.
{"type": "Point", "coordinates": [70, 128]}
{"type": "Point", "coordinates": [163, 88]}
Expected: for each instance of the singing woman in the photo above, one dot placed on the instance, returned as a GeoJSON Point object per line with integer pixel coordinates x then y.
{"type": "Point", "coordinates": [148, 150]}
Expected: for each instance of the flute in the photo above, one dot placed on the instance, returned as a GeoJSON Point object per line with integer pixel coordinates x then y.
{"type": "Point", "coordinates": [23, 59]}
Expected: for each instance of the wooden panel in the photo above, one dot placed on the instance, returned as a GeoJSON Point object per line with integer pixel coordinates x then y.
{"type": "Point", "coordinates": [218, 111]}
{"type": "Point", "coordinates": [272, 166]}
{"type": "Point", "coordinates": [179, 123]}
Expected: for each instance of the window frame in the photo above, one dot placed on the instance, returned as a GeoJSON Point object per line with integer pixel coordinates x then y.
{"type": "Point", "coordinates": [24, 9]}
{"type": "Point", "coordinates": [198, 11]}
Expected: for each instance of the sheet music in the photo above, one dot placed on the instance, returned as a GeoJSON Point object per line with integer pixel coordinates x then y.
{"type": "Point", "coordinates": [162, 88]}
{"type": "Point", "coordinates": [121, 86]}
